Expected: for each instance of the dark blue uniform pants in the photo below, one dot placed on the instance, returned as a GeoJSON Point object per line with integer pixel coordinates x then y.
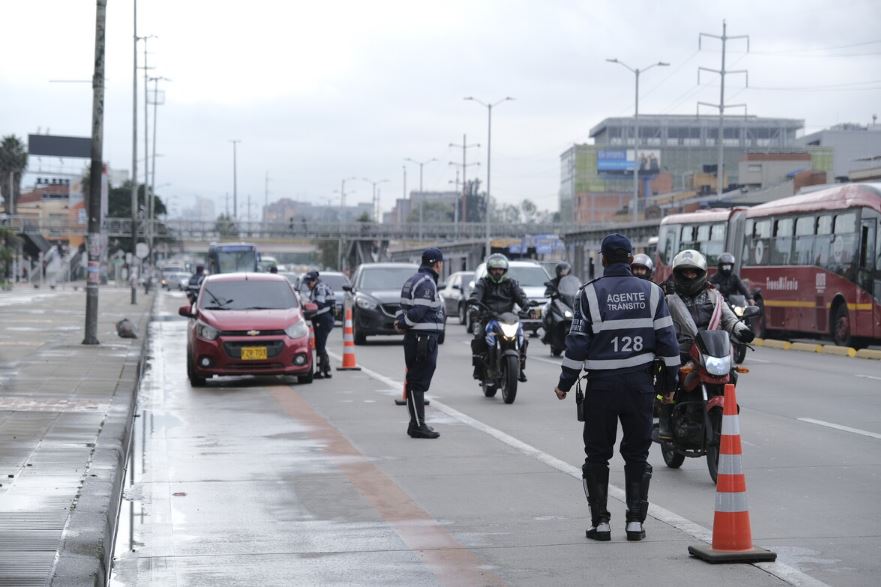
{"type": "Point", "coordinates": [323, 324]}
{"type": "Point", "coordinates": [420, 356]}
{"type": "Point", "coordinates": [612, 396]}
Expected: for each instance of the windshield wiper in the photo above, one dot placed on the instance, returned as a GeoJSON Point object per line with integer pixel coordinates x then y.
{"type": "Point", "coordinates": [219, 305]}
{"type": "Point", "coordinates": [261, 308]}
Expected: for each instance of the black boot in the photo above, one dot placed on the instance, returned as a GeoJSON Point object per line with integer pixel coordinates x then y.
{"type": "Point", "coordinates": [636, 485]}
{"type": "Point", "coordinates": [324, 365]}
{"type": "Point", "coordinates": [423, 431]}
{"type": "Point", "coordinates": [665, 422]}
{"type": "Point", "coordinates": [596, 490]}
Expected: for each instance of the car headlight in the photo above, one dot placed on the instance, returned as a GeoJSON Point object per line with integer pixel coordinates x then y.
{"type": "Point", "coordinates": [297, 330]}
{"type": "Point", "coordinates": [205, 331]}
{"type": "Point", "coordinates": [365, 303]}
{"type": "Point", "coordinates": [567, 314]}
{"type": "Point", "coordinates": [508, 330]}
{"type": "Point", "coordinates": [718, 366]}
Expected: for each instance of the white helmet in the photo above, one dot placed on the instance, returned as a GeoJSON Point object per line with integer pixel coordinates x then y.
{"type": "Point", "coordinates": [689, 259]}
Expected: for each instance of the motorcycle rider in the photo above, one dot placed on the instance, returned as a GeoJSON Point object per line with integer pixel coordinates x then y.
{"type": "Point", "coordinates": [195, 283]}
{"type": "Point", "coordinates": [321, 295]}
{"type": "Point", "coordinates": [499, 293]}
{"type": "Point", "coordinates": [727, 281]}
{"type": "Point", "coordinates": [693, 303]}
{"type": "Point", "coordinates": [642, 267]}
{"type": "Point", "coordinates": [562, 270]}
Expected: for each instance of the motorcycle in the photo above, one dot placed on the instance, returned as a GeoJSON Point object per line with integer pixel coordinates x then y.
{"type": "Point", "coordinates": [504, 339]}
{"type": "Point", "coordinates": [696, 415]}
{"type": "Point", "coordinates": [558, 313]}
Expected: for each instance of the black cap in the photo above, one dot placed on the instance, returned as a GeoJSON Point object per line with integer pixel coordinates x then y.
{"type": "Point", "coordinates": [616, 243]}
{"type": "Point", "coordinates": [432, 256]}
{"type": "Point", "coordinates": [311, 276]}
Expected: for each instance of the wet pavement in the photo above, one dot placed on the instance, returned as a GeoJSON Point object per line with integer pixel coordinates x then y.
{"type": "Point", "coordinates": [58, 399]}
{"type": "Point", "coordinates": [265, 481]}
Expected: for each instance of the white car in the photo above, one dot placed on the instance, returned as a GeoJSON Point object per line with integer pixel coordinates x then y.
{"type": "Point", "coordinates": [532, 278]}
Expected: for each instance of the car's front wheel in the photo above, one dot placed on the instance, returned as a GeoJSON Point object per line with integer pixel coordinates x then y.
{"type": "Point", "coordinates": [359, 337]}
{"type": "Point", "coordinates": [195, 380]}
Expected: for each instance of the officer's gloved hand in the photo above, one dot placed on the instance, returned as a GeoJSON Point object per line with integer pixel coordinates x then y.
{"type": "Point", "coordinates": [745, 335]}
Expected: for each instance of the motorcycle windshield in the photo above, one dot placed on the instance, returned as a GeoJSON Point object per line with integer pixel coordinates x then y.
{"type": "Point", "coordinates": [568, 289]}
{"type": "Point", "coordinates": [713, 343]}
{"type": "Point", "coordinates": [508, 318]}
{"type": "Point", "coordinates": [737, 300]}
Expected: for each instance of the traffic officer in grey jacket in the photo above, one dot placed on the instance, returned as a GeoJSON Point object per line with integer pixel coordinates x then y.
{"type": "Point", "coordinates": [620, 329]}
{"type": "Point", "coordinates": [322, 296]}
{"type": "Point", "coordinates": [421, 319]}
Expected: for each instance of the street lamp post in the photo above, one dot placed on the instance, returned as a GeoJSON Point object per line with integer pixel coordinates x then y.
{"type": "Point", "coordinates": [235, 180]}
{"type": "Point", "coordinates": [375, 199]}
{"type": "Point", "coordinates": [489, 133]}
{"type": "Point", "coordinates": [421, 164]}
{"type": "Point", "coordinates": [636, 73]}
{"type": "Point", "coordinates": [151, 212]}
{"type": "Point", "coordinates": [465, 146]}
{"type": "Point", "coordinates": [342, 206]}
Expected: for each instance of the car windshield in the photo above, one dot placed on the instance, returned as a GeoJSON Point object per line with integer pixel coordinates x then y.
{"type": "Point", "coordinates": [247, 295]}
{"type": "Point", "coordinates": [380, 278]}
{"type": "Point", "coordinates": [336, 282]}
{"type": "Point", "coordinates": [529, 276]}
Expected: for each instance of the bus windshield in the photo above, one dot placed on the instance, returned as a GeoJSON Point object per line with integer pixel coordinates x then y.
{"type": "Point", "coordinates": [232, 258]}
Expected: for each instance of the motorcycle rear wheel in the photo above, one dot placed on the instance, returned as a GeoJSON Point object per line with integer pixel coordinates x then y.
{"type": "Point", "coordinates": [509, 379]}
{"type": "Point", "coordinates": [672, 458]}
{"type": "Point", "coordinates": [713, 449]}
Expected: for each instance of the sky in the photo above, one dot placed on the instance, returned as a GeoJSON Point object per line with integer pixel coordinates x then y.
{"type": "Point", "coordinates": [320, 91]}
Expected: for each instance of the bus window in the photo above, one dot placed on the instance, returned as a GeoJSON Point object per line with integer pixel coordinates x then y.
{"type": "Point", "coordinates": [668, 246]}
{"type": "Point", "coordinates": [844, 243]}
{"type": "Point", "coordinates": [823, 241]}
{"type": "Point", "coordinates": [781, 247]}
{"type": "Point", "coordinates": [703, 232]}
{"type": "Point", "coordinates": [714, 244]}
{"type": "Point", "coordinates": [804, 240]}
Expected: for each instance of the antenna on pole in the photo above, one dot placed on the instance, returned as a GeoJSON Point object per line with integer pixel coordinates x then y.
{"type": "Point", "coordinates": [721, 106]}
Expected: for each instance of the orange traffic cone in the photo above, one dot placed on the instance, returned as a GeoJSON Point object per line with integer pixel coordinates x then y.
{"type": "Point", "coordinates": [732, 538]}
{"type": "Point", "coordinates": [349, 362]}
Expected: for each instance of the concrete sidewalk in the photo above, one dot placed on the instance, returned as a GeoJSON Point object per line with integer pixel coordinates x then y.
{"type": "Point", "coordinates": [65, 415]}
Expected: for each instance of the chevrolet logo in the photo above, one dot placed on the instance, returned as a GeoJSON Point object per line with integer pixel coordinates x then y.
{"type": "Point", "coordinates": [253, 332]}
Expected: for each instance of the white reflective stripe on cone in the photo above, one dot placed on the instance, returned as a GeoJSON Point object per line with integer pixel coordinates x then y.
{"type": "Point", "coordinates": [731, 425]}
{"type": "Point", "coordinates": [731, 502]}
{"type": "Point", "coordinates": [730, 465]}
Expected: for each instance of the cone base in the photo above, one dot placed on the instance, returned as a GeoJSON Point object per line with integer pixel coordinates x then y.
{"type": "Point", "coordinates": [348, 368]}
{"type": "Point", "coordinates": [753, 555]}
{"type": "Point", "coordinates": [403, 402]}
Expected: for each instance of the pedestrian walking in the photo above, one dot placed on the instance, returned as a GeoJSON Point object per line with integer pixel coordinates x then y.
{"type": "Point", "coordinates": [421, 319]}
{"type": "Point", "coordinates": [322, 296]}
{"type": "Point", "coordinates": [621, 327]}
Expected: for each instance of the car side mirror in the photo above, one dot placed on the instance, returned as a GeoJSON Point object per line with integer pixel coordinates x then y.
{"type": "Point", "coordinates": [310, 307]}
{"type": "Point", "coordinates": [751, 311]}
{"type": "Point", "coordinates": [549, 284]}
{"type": "Point", "coordinates": [347, 288]}
{"type": "Point", "coordinates": [186, 311]}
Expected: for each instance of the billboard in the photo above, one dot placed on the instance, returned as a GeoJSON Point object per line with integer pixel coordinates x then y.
{"type": "Point", "coordinates": [58, 146]}
{"type": "Point", "coordinates": [622, 161]}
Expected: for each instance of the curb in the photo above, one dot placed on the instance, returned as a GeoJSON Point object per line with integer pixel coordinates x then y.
{"type": "Point", "coordinates": [869, 354]}
{"type": "Point", "coordinates": [807, 347]}
{"type": "Point", "coordinates": [825, 349]}
{"type": "Point", "coordinates": [86, 552]}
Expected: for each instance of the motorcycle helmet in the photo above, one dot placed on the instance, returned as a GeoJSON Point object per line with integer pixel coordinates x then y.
{"type": "Point", "coordinates": [310, 276]}
{"type": "Point", "coordinates": [495, 262]}
{"type": "Point", "coordinates": [563, 269]}
{"type": "Point", "coordinates": [642, 266]}
{"type": "Point", "coordinates": [726, 264]}
{"type": "Point", "coordinates": [691, 261]}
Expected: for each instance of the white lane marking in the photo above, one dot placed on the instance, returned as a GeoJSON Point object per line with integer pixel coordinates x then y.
{"type": "Point", "coordinates": [557, 362]}
{"type": "Point", "coordinates": [840, 427]}
{"type": "Point", "coordinates": [754, 360]}
{"type": "Point", "coordinates": [868, 377]}
{"type": "Point", "coordinates": [783, 571]}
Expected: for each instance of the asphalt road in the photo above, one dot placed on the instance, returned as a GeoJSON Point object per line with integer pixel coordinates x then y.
{"type": "Point", "coordinates": [257, 481]}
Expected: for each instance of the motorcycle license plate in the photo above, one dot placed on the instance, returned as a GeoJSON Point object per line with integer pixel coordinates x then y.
{"type": "Point", "coordinates": [254, 353]}
{"type": "Point", "coordinates": [535, 313]}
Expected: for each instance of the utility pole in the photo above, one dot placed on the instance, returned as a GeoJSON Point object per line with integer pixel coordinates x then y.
{"type": "Point", "coordinates": [720, 167]}
{"type": "Point", "coordinates": [151, 211]}
{"type": "Point", "coordinates": [421, 164]}
{"type": "Point", "coordinates": [148, 227]}
{"type": "Point", "coordinates": [235, 180]}
{"type": "Point", "coordinates": [404, 194]}
{"type": "Point", "coordinates": [134, 157]}
{"type": "Point", "coordinates": [95, 174]}
{"type": "Point", "coordinates": [465, 146]}
{"type": "Point", "coordinates": [265, 198]}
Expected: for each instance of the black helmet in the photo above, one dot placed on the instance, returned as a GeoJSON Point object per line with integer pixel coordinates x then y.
{"type": "Point", "coordinates": [726, 264]}
{"type": "Point", "coordinates": [200, 268]}
{"type": "Point", "coordinates": [497, 261]}
{"type": "Point", "coordinates": [310, 276]}
{"type": "Point", "coordinates": [642, 266]}
{"type": "Point", "coordinates": [689, 259]}
{"type": "Point", "coordinates": [563, 269]}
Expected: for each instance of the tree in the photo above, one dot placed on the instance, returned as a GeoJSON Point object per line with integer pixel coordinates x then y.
{"type": "Point", "coordinates": [8, 242]}
{"type": "Point", "coordinates": [225, 226]}
{"type": "Point", "coordinates": [119, 205]}
{"type": "Point", "coordinates": [13, 163]}
{"type": "Point", "coordinates": [506, 214]}
{"type": "Point", "coordinates": [433, 212]}
{"type": "Point", "coordinates": [529, 211]}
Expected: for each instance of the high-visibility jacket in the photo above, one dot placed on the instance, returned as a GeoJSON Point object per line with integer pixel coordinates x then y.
{"type": "Point", "coordinates": [621, 324]}
{"type": "Point", "coordinates": [422, 309]}
{"type": "Point", "coordinates": [322, 295]}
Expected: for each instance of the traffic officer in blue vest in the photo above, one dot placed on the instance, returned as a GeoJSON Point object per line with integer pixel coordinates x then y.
{"type": "Point", "coordinates": [621, 328]}
{"type": "Point", "coordinates": [421, 319]}
{"type": "Point", "coordinates": [322, 296]}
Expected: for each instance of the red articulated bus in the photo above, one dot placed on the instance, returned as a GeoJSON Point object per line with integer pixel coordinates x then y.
{"type": "Point", "coordinates": [815, 259]}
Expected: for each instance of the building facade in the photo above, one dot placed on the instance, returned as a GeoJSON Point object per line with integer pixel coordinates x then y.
{"type": "Point", "coordinates": [850, 144]}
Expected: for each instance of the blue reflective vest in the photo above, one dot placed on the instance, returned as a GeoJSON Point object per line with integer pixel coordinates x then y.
{"type": "Point", "coordinates": [622, 324]}
{"type": "Point", "coordinates": [422, 308]}
{"type": "Point", "coordinates": [322, 295]}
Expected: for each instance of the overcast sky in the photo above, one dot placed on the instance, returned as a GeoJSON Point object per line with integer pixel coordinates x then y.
{"type": "Point", "coordinates": [318, 91]}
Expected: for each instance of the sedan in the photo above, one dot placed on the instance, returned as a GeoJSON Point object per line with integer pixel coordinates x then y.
{"type": "Point", "coordinates": [455, 294]}
{"type": "Point", "coordinates": [246, 324]}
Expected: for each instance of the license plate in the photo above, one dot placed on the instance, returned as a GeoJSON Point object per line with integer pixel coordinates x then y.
{"type": "Point", "coordinates": [536, 313]}
{"type": "Point", "coordinates": [254, 353]}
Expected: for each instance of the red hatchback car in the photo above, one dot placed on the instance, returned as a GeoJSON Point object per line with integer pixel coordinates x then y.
{"type": "Point", "coordinates": [247, 324]}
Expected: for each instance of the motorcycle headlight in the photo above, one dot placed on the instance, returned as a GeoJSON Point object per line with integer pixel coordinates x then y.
{"type": "Point", "coordinates": [206, 332]}
{"type": "Point", "coordinates": [738, 311]}
{"type": "Point", "coordinates": [297, 330]}
{"type": "Point", "coordinates": [718, 366]}
{"type": "Point", "coordinates": [567, 314]}
{"type": "Point", "coordinates": [365, 303]}
{"type": "Point", "coordinates": [508, 330]}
